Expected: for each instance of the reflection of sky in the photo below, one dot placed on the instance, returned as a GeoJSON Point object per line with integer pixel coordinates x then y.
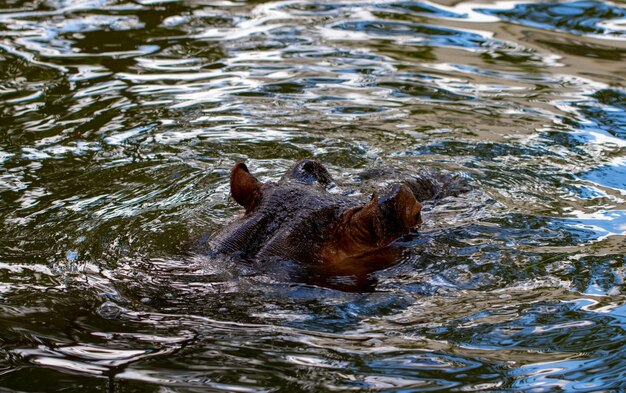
{"type": "Point", "coordinates": [604, 116]}
{"type": "Point", "coordinates": [618, 312]}
{"type": "Point", "coordinates": [414, 33]}
{"type": "Point", "coordinates": [609, 176]}
{"type": "Point", "coordinates": [599, 369]}
{"type": "Point", "coordinates": [599, 224]}
{"type": "Point", "coordinates": [610, 120]}
{"type": "Point", "coordinates": [587, 227]}
{"type": "Point", "coordinates": [568, 375]}
{"type": "Point", "coordinates": [578, 17]}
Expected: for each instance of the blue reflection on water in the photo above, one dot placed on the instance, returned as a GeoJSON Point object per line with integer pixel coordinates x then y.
{"type": "Point", "coordinates": [598, 225]}
{"type": "Point", "coordinates": [610, 176]}
{"type": "Point", "coordinates": [420, 8]}
{"type": "Point", "coordinates": [607, 111]}
{"type": "Point", "coordinates": [587, 375]}
{"type": "Point", "coordinates": [425, 34]}
{"type": "Point", "coordinates": [576, 17]}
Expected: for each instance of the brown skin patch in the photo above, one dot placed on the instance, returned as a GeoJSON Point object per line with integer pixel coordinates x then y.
{"type": "Point", "coordinates": [360, 242]}
{"type": "Point", "coordinates": [359, 265]}
{"type": "Point", "coordinates": [401, 210]}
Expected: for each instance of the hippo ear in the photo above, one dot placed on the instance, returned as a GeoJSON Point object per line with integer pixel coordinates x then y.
{"type": "Point", "coordinates": [244, 187]}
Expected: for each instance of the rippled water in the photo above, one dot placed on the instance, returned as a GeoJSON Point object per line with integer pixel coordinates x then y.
{"type": "Point", "coordinates": [119, 123]}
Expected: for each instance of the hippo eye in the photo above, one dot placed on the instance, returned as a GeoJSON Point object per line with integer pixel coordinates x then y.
{"type": "Point", "coordinates": [309, 172]}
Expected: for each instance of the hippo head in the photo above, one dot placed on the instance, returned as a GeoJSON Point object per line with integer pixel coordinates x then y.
{"type": "Point", "coordinates": [297, 219]}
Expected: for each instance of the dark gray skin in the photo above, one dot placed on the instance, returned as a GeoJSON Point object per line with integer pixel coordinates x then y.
{"type": "Point", "coordinates": [296, 219]}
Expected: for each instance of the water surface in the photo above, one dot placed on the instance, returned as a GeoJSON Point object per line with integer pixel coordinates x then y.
{"type": "Point", "coordinates": [119, 122]}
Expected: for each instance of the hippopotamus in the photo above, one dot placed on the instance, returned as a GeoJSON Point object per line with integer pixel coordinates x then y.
{"type": "Point", "coordinates": [327, 234]}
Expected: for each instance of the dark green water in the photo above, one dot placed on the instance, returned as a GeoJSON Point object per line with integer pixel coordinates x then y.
{"type": "Point", "coordinates": [120, 120]}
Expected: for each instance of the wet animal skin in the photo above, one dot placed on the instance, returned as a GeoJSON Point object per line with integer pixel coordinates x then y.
{"type": "Point", "coordinates": [328, 235]}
